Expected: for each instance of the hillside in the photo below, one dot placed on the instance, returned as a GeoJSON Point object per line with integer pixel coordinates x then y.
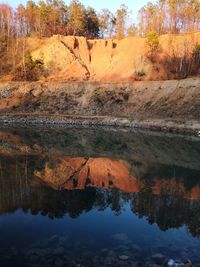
{"type": "Point", "coordinates": [107, 82]}
{"type": "Point", "coordinates": [78, 59]}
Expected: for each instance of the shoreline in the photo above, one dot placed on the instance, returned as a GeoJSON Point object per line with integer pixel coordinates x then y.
{"type": "Point", "coordinates": [176, 126]}
{"type": "Point", "coordinates": [163, 106]}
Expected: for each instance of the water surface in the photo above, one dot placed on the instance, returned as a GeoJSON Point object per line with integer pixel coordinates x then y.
{"type": "Point", "coordinates": [85, 197]}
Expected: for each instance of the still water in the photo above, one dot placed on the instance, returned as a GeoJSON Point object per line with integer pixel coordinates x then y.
{"type": "Point", "coordinates": [98, 197]}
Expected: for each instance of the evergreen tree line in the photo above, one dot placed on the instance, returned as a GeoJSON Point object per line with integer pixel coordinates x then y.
{"type": "Point", "coordinates": [49, 17]}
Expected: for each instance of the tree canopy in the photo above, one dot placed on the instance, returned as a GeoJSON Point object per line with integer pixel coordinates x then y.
{"type": "Point", "coordinates": [48, 17]}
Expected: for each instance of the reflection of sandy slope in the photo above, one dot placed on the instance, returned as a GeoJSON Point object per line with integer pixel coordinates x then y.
{"type": "Point", "coordinates": [194, 194]}
{"type": "Point", "coordinates": [160, 149]}
{"type": "Point", "coordinates": [10, 143]}
{"type": "Point", "coordinates": [15, 139]}
{"type": "Point", "coordinates": [78, 173]}
{"type": "Point", "coordinates": [175, 187]}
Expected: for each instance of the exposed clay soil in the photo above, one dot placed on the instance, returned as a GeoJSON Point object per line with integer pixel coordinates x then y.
{"type": "Point", "coordinates": [72, 58]}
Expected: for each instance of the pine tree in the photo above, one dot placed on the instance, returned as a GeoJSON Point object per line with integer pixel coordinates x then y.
{"type": "Point", "coordinates": [121, 21]}
{"type": "Point", "coordinates": [77, 18]}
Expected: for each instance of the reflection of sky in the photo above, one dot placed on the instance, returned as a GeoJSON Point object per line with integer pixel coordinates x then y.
{"type": "Point", "coordinates": [95, 229]}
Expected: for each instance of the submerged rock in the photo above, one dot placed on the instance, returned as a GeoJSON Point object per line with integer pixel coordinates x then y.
{"type": "Point", "coordinates": [58, 251]}
{"type": "Point", "coordinates": [123, 257]}
{"type": "Point", "coordinates": [120, 237]}
{"type": "Point", "coordinates": [188, 263]}
{"type": "Point", "coordinates": [58, 263]}
{"type": "Point", "coordinates": [159, 258]}
{"type": "Point", "coordinates": [173, 263]}
{"type": "Point", "coordinates": [53, 239]}
{"type": "Point", "coordinates": [136, 247]}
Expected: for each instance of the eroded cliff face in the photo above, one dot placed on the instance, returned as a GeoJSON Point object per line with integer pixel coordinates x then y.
{"type": "Point", "coordinates": [78, 59]}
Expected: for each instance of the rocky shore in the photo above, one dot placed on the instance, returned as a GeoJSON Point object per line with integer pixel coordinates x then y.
{"type": "Point", "coordinates": [172, 126]}
{"type": "Point", "coordinates": [172, 106]}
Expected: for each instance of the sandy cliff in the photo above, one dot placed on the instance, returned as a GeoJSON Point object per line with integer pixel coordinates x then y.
{"type": "Point", "coordinates": [76, 58]}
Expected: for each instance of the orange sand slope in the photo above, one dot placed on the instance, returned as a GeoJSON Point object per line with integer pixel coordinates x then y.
{"type": "Point", "coordinates": [76, 58]}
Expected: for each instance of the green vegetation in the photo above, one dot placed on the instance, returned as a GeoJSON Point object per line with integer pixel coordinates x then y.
{"type": "Point", "coordinates": [185, 64]}
{"type": "Point", "coordinates": [30, 70]}
{"type": "Point", "coordinates": [121, 21]}
{"type": "Point", "coordinates": [153, 45]}
{"type": "Point", "coordinates": [196, 58]}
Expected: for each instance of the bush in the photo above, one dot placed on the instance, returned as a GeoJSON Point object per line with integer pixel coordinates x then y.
{"type": "Point", "coordinates": [153, 45]}
{"type": "Point", "coordinates": [140, 73]}
{"type": "Point", "coordinates": [196, 59]}
{"type": "Point", "coordinates": [185, 63]}
{"type": "Point", "coordinates": [30, 70]}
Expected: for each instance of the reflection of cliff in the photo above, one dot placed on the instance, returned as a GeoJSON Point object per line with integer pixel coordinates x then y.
{"type": "Point", "coordinates": [79, 173]}
{"type": "Point", "coordinates": [153, 147]}
{"type": "Point", "coordinates": [104, 183]}
{"type": "Point", "coordinates": [12, 143]}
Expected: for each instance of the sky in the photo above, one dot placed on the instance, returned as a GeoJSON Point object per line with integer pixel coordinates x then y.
{"type": "Point", "coordinates": [113, 5]}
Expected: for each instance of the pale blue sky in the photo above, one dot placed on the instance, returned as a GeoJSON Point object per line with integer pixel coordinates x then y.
{"type": "Point", "coordinates": [133, 5]}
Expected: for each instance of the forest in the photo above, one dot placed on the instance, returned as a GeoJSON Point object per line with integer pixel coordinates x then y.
{"type": "Point", "coordinates": [50, 17]}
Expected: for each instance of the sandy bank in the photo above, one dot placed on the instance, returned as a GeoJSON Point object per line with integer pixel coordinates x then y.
{"type": "Point", "coordinates": [162, 105]}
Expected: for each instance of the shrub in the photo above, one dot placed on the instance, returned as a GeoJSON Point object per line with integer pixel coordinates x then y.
{"type": "Point", "coordinates": [196, 59]}
{"type": "Point", "coordinates": [140, 73]}
{"type": "Point", "coordinates": [183, 63]}
{"type": "Point", "coordinates": [30, 70]}
{"type": "Point", "coordinates": [153, 45]}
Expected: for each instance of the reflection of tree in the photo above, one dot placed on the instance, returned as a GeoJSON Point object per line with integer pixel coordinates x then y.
{"type": "Point", "coordinates": [13, 182]}
{"type": "Point", "coordinates": [167, 209]}
{"type": "Point", "coordinates": [162, 201]}
{"type": "Point", "coordinates": [116, 197]}
{"type": "Point", "coordinates": [55, 204]}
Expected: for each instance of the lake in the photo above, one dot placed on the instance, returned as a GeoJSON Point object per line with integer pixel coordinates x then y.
{"type": "Point", "coordinates": [98, 197]}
